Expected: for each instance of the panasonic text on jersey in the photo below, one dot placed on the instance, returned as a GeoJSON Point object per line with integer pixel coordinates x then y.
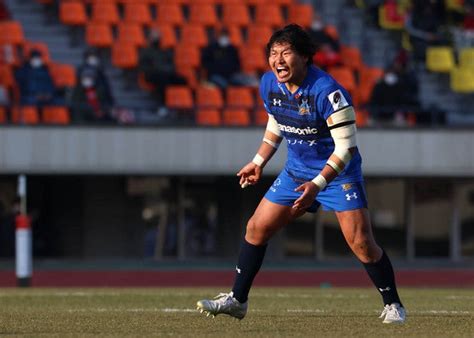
{"type": "Point", "coordinates": [299, 131]}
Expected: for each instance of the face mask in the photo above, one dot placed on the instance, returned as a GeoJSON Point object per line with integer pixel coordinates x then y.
{"type": "Point", "coordinates": [390, 79]}
{"type": "Point", "coordinates": [317, 25]}
{"type": "Point", "coordinates": [36, 62]}
{"type": "Point", "coordinates": [223, 41]}
{"type": "Point", "coordinates": [93, 60]}
{"type": "Point", "coordinates": [87, 82]}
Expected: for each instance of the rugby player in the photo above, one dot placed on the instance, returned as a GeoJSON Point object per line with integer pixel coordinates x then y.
{"type": "Point", "coordinates": [314, 114]}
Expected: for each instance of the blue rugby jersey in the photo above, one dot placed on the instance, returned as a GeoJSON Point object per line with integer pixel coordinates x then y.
{"type": "Point", "coordinates": [302, 116]}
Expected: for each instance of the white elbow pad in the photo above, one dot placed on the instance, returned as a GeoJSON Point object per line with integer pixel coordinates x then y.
{"type": "Point", "coordinates": [272, 126]}
{"type": "Point", "coordinates": [343, 131]}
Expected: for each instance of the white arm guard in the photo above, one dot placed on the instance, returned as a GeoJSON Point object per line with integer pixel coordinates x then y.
{"type": "Point", "coordinates": [272, 126]}
{"type": "Point", "coordinates": [343, 131]}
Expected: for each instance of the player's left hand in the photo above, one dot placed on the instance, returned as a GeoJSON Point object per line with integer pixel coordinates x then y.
{"type": "Point", "coordinates": [310, 190]}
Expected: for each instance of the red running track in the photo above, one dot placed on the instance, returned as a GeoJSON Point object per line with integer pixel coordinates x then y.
{"type": "Point", "coordinates": [193, 278]}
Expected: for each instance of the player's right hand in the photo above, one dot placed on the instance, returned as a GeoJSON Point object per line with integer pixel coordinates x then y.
{"type": "Point", "coordinates": [250, 174]}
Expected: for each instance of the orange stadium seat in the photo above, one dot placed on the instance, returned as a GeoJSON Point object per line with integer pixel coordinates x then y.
{"type": "Point", "coordinates": [6, 76]}
{"type": "Point", "coordinates": [235, 35]}
{"type": "Point", "coordinates": [12, 33]}
{"type": "Point", "coordinates": [368, 77]}
{"type": "Point", "coordinates": [240, 97]}
{"type": "Point", "coordinates": [105, 12]}
{"type": "Point", "coordinates": [28, 46]}
{"type": "Point", "coordinates": [56, 115]}
{"type": "Point", "coordinates": [252, 59]}
{"type": "Point", "coordinates": [282, 2]}
{"type": "Point", "coordinates": [209, 97]}
{"type": "Point", "coordinates": [261, 116]}
{"type": "Point", "coordinates": [208, 117]}
{"type": "Point", "coordinates": [63, 75]}
{"type": "Point", "coordinates": [194, 35]}
{"type": "Point", "coordinates": [269, 14]}
{"type": "Point", "coordinates": [351, 57]}
{"type": "Point", "coordinates": [236, 117]}
{"type": "Point", "coordinates": [124, 55]}
{"type": "Point", "coordinates": [99, 35]}
{"type": "Point", "coordinates": [131, 33]}
{"type": "Point", "coordinates": [25, 115]}
{"type": "Point", "coordinates": [235, 14]}
{"type": "Point", "coordinates": [258, 35]}
{"type": "Point", "coordinates": [203, 14]}
{"type": "Point", "coordinates": [179, 97]}
{"type": "Point", "coordinates": [187, 56]}
{"type": "Point", "coordinates": [345, 77]}
{"type": "Point", "coordinates": [72, 13]}
{"type": "Point", "coordinates": [137, 13]}
{"type": "Point", "coordinates": [302, 14]}
{"type": "Point", "coordinates": [170, 13]}
{"type": "Point", "coordinates": [168, 37]}
{"type": "Point", "coordinates": [332, 31]}
{"type": "Point", "coordinates": [189, 73]}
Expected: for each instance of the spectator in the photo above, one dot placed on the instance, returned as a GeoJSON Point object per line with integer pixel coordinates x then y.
{"type": "Point", "coordinates": [158, 66]}
{"type": "Point", "coordinates": [424, 25]}
{"type": "Point", "coordinates": [35, 82]}
{"type": "Point", "coordinates": [394, 98]}
{"type": "Point", "coordinates": [221, 63]}
{"type": "Point", "coordinates": [90, 103]}
{"type": "Point", "coordinates": [91, 62]}
{"type": "Point", "coordinates": [327, 48]}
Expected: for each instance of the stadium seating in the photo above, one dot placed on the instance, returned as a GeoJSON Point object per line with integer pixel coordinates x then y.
{"type": "Point", "coordinates": [186, 56]}
{"type": "Point", "coordinates": [466, 58]}
{"type": "Point", "coordinates": [236, 117]}
{"type": "Point", "coordinates": [351, 57]}
{"type": "Point", "coordinates": [269, 14]}
{"type": "Point", "coordinates": [105, 13]}
{"type": "Point", "coordinates": [260, 116]}
{"type": "Point", "coordinates": [55, 115]}
{"type": "Point", "coordinates": [235, 14]}
{"type": "Point", "coordinates": [194, 35]}
{"type": "Point", "coordinates": [168, 37]}
{"type": "Point", "coordinates": [462, 80]}
{"type": "Point", "coordinates": [208, 117]}
{"type": "Point", "coordinates": [301, 14]}
{"type": "Point", "coordinates": [131, 33]}
{"type": "Point", "coordinates": [391, 17]}
{"type": "Point", "coordinates": [209, 97]}
{"type": "Point", "coordinates": [368, 77]}
{"type": "Point", "coordinates": [137, 13]}
{"type": "Point", "coordinates": [179, 97]}
{"type": "Point", "coordinates": [440, 59]}
{"type": "Point", "coordinates": [25, 115]}
{"type": "Point", "coordinates": [72, 13]}
{"type": "Point", "coordinates": [258, 35]}
{"type": "Point", "coordinates": [203, 14]}
{"type": "Point", "coordinates": [63, 75]}
{"type": "Point", "coordinates": [252, 59]}
{"type": "Point", "coordinates": [124, 55]}
{"type": "Point", "coordinates": [235, 35]}
{"type": "Point", "coordinates": [99, 35]}
{"type": "Point", "coordinates": [240, 97]}
{"type": "Point", "coordinates": [170, 13]}
{"type": "Point", "coordinates": [28, 46]}
{"type": "Point", "coordinates": [12, 33]}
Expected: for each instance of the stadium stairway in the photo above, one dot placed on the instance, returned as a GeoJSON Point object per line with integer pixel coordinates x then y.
{"type": "Point", "coordinates": [39, 28]}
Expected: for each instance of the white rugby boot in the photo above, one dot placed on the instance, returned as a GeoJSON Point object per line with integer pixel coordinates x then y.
{"type": "Point", "coordinates": [223, 303]}
{"type": "Point", "coordinates": [393, 313]}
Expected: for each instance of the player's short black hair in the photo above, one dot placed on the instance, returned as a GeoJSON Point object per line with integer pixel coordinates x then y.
{"type": "Point", "coordinates": [297, 37]}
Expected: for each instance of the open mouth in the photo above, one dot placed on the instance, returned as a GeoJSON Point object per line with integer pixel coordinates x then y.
{"type": "Point", "coordinates": [282, 71]}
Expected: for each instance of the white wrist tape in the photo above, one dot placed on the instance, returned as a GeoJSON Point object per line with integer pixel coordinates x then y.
{"type": "Point", "coordinates": [320, 181]}
{"type": "Point", "coordinates": [270, 142]}
{"type": "Point", "coordinates": [258, 160]}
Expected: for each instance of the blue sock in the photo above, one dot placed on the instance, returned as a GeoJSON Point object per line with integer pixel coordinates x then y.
{"type": "Point", "coordinates": [249, 262]}
{"type": "Point", "coordinates": [381, 274]}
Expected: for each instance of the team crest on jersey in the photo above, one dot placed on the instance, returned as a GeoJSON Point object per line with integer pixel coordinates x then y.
{"type": "Point", "coordinates": [346, 186]}
{"type": "Point", "coordinates": [337, 100]}
{"type": "Point", "coordinates": [303, 107]}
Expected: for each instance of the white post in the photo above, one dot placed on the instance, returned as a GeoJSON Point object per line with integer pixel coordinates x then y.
{"type": "Point", "coordinates": [23, 241]}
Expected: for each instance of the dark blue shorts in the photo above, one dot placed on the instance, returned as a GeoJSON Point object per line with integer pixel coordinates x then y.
{"type": "Point", "coordinates": [335, 197]}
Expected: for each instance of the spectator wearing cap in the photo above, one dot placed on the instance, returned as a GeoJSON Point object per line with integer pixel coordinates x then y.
{"type": "Point", "coordinates": [89, 102]}
{"type": "Point", "coordinates": [35, 82]}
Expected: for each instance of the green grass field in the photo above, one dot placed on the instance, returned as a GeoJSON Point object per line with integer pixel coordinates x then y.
{"type": "Point", "coordinates": [273, 312]}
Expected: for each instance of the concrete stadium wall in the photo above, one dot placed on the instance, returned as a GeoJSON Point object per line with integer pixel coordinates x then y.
{"type": "Point", "coordinates": [194, 151]}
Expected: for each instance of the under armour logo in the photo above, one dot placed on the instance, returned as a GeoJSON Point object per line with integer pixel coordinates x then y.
{"type": "Point", "coordinates": [351, 196]}
{"type": "Point", "coordinates": [238, 270]}
{"type": "Point", "coordinates": [386, 289]}
{"type": "Point", "coordinates": [277, 102]}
